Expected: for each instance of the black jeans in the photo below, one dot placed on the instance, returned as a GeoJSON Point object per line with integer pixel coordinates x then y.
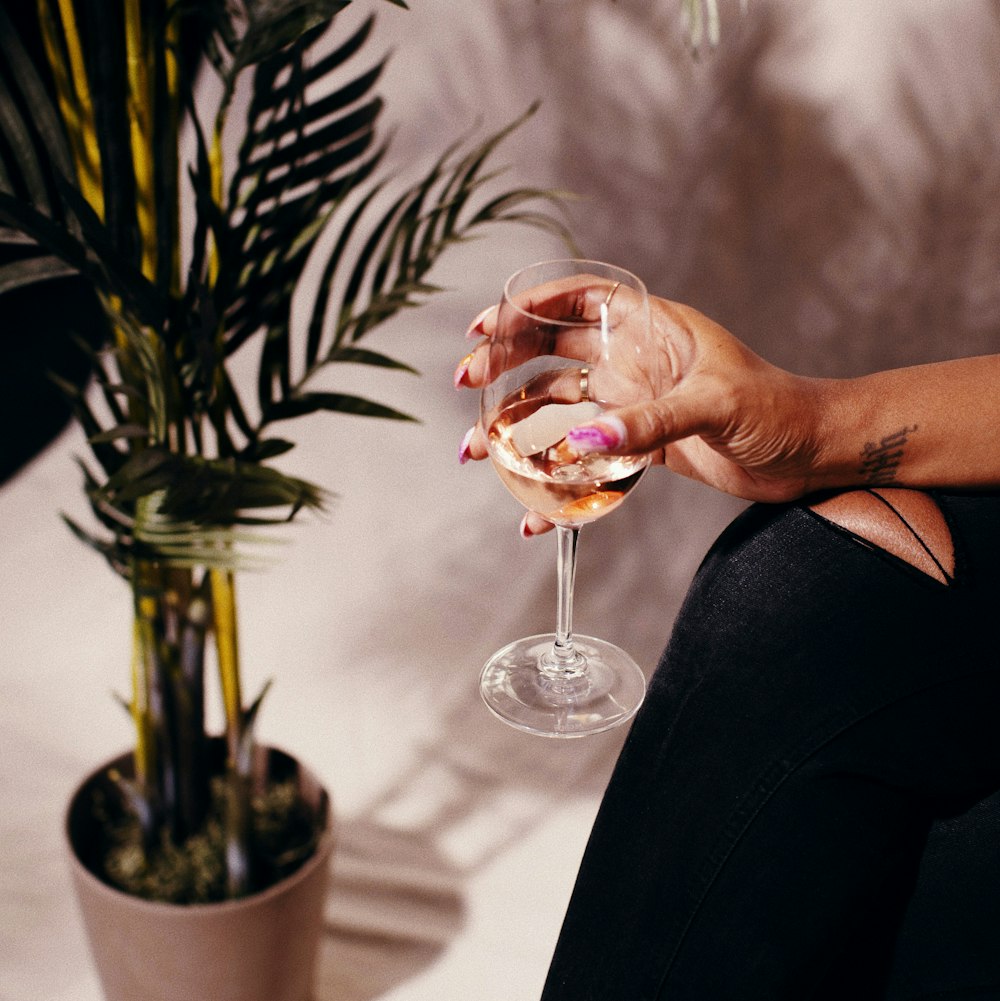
{"type": "Point", "coordinates": [802, 808]}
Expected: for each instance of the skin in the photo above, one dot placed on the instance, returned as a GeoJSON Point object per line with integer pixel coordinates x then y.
{"type": "Point", "coordinates": [719, 413]}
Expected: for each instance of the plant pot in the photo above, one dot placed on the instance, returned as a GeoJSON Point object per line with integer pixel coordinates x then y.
{"type": "Point", "coordinates": [259, 948]}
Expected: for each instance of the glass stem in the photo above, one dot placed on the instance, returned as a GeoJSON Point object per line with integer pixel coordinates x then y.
{"type": "Point", "coordinates": [564, 661]}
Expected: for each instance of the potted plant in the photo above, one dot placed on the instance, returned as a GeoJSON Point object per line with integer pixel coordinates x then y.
{"type": "Point", "coordinates": [195, 216]}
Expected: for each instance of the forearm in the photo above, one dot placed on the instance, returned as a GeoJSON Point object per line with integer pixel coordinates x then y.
{"type": "Point", "coordinates": [921, 426]}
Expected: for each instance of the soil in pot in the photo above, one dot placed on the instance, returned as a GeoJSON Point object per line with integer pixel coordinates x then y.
{"type": "Point", "coordinates": [259, 948]}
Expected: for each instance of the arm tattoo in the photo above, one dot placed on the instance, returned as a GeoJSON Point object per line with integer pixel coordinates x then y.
{"type": "Point", "coordinates": [879, 462]}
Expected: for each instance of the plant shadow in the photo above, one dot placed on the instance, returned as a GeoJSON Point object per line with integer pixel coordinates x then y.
{"type": "Point", "coordinates": [402, 867]}
{"type": "Point", "coordinates": [394, 905]}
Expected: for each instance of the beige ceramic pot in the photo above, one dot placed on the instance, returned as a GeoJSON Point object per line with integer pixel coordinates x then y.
{"type": "Point", "coordinates": [260, 948]}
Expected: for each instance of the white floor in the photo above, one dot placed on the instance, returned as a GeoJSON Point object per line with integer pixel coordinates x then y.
{"type": "Point", "coordinates": [459, 838]}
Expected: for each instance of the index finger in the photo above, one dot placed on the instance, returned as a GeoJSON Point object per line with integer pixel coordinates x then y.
{"type": "Point", "coordinates": [575, 299]}
{"type": "Point", "coordinates": [563, 317]}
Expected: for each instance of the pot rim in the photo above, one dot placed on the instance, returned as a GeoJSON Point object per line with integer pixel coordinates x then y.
{"type": "Point", "coordinates": [320, 856]}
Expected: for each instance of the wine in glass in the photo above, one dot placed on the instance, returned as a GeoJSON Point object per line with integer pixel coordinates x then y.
{"type": "Point", "coordinates": [559, 359]}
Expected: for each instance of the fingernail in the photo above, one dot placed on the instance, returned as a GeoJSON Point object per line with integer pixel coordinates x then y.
{"type": "Point", "coordinates": [474, 330]}
{"type": "Point", "coordinates": [463, 449]}
{"type": "Point", "coordinates": [526, 532]}
{"type": "Point", "coordinates": [597, 436]}
{"type": "Point", "coordinates": [463, 367]}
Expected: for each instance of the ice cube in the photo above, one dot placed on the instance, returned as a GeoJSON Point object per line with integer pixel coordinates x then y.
{"type": "Point", "coordinates": [549, 424]}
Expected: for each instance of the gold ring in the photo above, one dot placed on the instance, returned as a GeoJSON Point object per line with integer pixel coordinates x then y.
{"type": "Point", "coordinates": [584, 385]}
{"type": "Point", "coordinates": [614, 288]}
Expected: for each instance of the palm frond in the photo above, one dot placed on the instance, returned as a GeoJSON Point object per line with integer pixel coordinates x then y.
{"type": "Point", "coordinates": [184, 511]}
{"type": "Point", "coordinates": [110, 458]}
{"type": "Point", "coordinates": [318, 323]}
{"type": "Point", "coordinates": [41, 230]}
{"type": "Point", "coordinates": [29, 123]}
{"type": "Point", "coordinates": [295, 164]}
{"type": "Point", "coordinates": [389, 271]}
{"type": "Point", "coordinates": [189, 546]}
{"type": "Point", "coordinates": [31, 270]}
{"type": "Point", "coordinates": [117, 559]}
{"type": "Point", "coordinates": [365, 356]}
{"type": "Point", "coordinates": [103, 41]}
{"type": "Point", "coordinates": [305, 171]}
{"type": "Point", "coordinates": [342, 403]}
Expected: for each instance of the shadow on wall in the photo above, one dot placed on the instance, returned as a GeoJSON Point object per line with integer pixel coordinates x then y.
{"type": "Point", "coordinates": [728, 186]}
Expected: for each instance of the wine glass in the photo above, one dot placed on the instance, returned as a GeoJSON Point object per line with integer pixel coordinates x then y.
{"type": "Point", "coordinates": [559, 359]}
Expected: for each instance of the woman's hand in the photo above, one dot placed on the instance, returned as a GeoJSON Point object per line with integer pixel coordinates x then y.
{"type": "Point", "coordinates": [722, 415]}
{"type": "Point", "coordinates": [719, 413]}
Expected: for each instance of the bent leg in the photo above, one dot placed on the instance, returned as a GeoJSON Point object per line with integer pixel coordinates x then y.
{"type": "Point", "coordinates": [817, 707]}
{"type": "Point", "coordinates": [905, 524]}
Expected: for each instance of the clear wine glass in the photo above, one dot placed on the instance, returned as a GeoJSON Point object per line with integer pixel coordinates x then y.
{"type": "Point", "coordinates": [557, 360]}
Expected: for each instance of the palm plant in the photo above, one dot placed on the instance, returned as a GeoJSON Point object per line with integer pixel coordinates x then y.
{"type": "Point", "coordinates": [98, 105]}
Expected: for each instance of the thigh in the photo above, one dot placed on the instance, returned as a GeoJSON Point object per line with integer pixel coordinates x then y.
{"type": "Point", "coordinates": [949, 940]}
{"type": "Point", "coordinates": [819, 703]}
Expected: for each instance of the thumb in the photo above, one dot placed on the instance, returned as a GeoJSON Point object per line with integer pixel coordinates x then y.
{"type": "Point", "coordinates": [646, 427]}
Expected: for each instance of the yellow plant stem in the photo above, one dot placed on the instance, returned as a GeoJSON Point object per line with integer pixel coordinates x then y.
{"type": "Point", "coordinates": [144, 655]}
{"type": "Point", "coordinates": [140, 115]}
{"type": "Point", "coordinates": [223, 585]}
{"type": "Point", "coordinates": [65, 55]}
{"type": "Point", "coordinates": [64, 52]}
{"type": "Point", "coordinates": [217, 175]}
{"type": "Point", "coordinates": [139, 706]}
{"type": "Point", "coordinates": [172, 41]}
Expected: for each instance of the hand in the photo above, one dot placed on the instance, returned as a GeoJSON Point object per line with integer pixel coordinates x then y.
{"type": "Point", "coordinates": [719, 413]}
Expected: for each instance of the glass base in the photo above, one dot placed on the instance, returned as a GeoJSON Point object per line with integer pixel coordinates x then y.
{"type": "Point", "coordinates": [603, 693]}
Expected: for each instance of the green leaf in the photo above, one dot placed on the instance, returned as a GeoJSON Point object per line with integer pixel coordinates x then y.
{"type": "Point", "coordinates": [110, 458]}
{"type": "Point", "coordinates": [49, 235]}
{"type": "Point", "coordinates": [42, 144]}
{"type": "Point", "coordinates": [274, 370]}
{"type": "Point", "coordinates": [32, 270]}
{"type": "Point", "coordinates": [273, 24]}
{"type": "Point", "coordinates": [110, 551]}
{"type": "Point", "coordinates": [143, 354]}
{"type": "Point", "coordinates": [364, 356]}
{"type": "Point", "coordinates": [326, 280]}
{"type": "Point", "coordinates": [15, 238]}
{"type": "Point", "coordinates": [344, 403]}
{"type": "Point", "coordinates": [266, 448]}
{"type": "Point", "coordinates": [143, 473]}
{"type": "Point", "coordinates": [244, 757]}
{"type": "Point", "coordinates": [20, 139]}
{"type": "Point", "coordinates": [120, 432]}
{"type": "Point", "coordinates": [297, 162]}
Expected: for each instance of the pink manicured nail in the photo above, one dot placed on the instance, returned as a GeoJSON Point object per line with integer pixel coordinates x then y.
{"type": "Point", "coordinates": [463, 367]}
{"type": "Point", "coordinates": [463, 449]}
{"type": "Point", "coordinates": [597, 436]}
{"type": "Point", "coordinates": [473, 332]}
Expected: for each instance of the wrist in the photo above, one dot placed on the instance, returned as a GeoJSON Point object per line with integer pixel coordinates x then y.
{"type": "Point", "coordinates": [839, 419]}
{"type": "Point", "coordinates": [862, 438]}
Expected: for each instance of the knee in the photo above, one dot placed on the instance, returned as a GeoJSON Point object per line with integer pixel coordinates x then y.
{"type": "Point", "coordinates": [906, 523]}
